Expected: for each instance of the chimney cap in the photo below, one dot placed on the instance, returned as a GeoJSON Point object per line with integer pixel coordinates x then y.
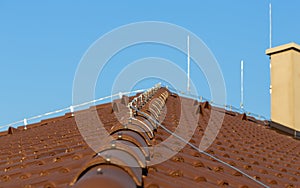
{"type": "Point", "coordinates": [283, 48]}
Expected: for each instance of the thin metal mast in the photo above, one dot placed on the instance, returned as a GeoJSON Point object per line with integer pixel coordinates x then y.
{"type": "Point", "coordinates": [188, 64]}
{"type": "Point", "coordinates": [270, 18]}
{"type": "Point", "coordinates": [242, 84]}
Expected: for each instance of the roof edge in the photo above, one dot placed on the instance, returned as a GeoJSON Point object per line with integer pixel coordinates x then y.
{"type": "Point", "coordinates": [283, 48]}
{"type": "Point", "coordinates": [285, 129]}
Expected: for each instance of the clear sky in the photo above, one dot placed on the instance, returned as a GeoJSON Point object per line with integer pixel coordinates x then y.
{"type": "Point", "coordinates": [42, 42]}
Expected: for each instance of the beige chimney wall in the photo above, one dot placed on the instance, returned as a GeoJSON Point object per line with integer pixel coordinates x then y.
{"type": "Point", "coordinates": [285, 85]}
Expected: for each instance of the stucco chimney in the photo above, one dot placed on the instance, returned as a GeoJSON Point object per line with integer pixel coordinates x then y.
{"type": "Point", "coordinates": [285, 87]}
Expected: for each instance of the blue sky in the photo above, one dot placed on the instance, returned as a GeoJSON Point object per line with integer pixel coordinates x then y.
{"type": "Point", "coordinates": [41, 44]}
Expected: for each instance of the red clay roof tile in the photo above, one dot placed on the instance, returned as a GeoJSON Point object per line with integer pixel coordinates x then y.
{"type": "Point", "coordinates": [53, 153]}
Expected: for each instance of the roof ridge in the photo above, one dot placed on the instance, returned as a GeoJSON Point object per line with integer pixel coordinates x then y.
{"type": "Point", "coordinates": [211, 102]}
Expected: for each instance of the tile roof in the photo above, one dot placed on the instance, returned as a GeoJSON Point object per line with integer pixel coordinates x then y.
{"type": "Point", "coordinates": [53, 153]}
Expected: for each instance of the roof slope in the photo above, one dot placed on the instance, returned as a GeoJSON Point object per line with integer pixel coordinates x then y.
{"type": "Point", "coordinates": [52, 153]}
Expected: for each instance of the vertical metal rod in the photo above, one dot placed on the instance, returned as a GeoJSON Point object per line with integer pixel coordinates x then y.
{"type": "Point", "coordinates": [25, 121]}
{"type": "Point", "coordinates": [242, 84]}
{"type": "Point", "coordinates": [188, 64]}
{"type": "Point", "coordinates": [270, 19]}
{"type": "Point", "coordinates": [72, 109]}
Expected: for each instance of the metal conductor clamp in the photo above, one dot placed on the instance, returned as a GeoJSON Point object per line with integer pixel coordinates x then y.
{"type": "Point", "coordinates": [140, 100]}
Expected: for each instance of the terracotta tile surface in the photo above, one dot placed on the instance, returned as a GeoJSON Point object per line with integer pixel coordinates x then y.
{"type": "Point", "coordinates": [53, 153]}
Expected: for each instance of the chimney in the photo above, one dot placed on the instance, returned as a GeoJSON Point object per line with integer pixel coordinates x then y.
{"type": "Point", "coordinates": [285, 88]}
